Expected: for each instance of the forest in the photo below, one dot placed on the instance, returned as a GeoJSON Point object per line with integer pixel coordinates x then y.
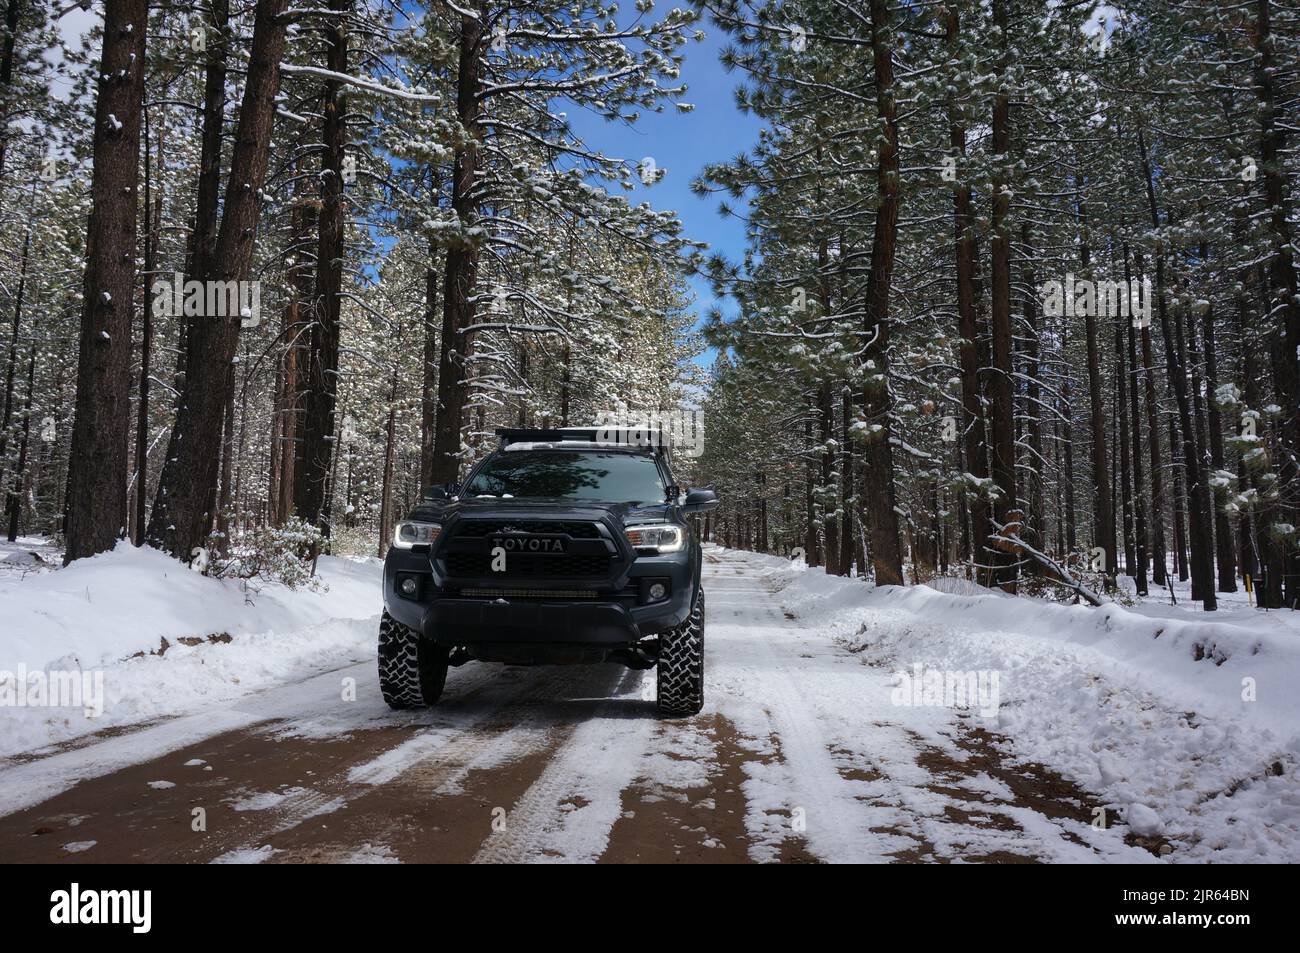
{"type": "Point", "coordinates": [1020, 295]}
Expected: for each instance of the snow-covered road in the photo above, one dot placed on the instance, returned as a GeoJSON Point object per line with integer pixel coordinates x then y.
{"type": "Point", "coordinates": [800, 755]}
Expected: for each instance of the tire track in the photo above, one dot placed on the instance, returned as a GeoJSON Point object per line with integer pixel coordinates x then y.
{"type": "Point", "coordinates": [500, 719]}
{"type": "Point", "coordinates": [566, 815]}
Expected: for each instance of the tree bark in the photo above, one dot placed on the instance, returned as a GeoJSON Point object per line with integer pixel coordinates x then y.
{"type": "Point", "coordinates": [1284, 290]}
{"type": "Point", "coordinates": [11, 363]}
{"type": "Point", "coordinates": [204, 237]}
{"type": "Point", "coordinates": [1002, 390]}
{"type": "Point", "coordinates": [97, 497]}
{"type": "Point", "coordinates": [845, 566]}
{"type": "Point", "coordinates": [1103, 511]}
{"type": "Point", "coordinates": [180, 514]}
{"type": "Point", "coordinates": [1159, 556]}
{"type": "Point", "coordinates": [974, 433]}
{"type": "Point", "coordinates": [830, 533]}
{"type": "Point", "coordinates": [152, 217]}
{"type": "Point", "coordinates": [1139, 501]}
{"type": "Point", "coordinates": [877, 405]}
{"type": "Point", "coordinates": [318, 435]}
{"type": "Point", "coordinates": [12, 12]}
{"type": "Point", "coordinates": [18, 487]}
{"type": "Point", "coordinates": [1037, 532]}
{"type": "Point", "coordinates": [429, 377]}
{"type": "Point", "coordinates": [295, 332]}
{"type": "Point", "coordinates": [461, 275]}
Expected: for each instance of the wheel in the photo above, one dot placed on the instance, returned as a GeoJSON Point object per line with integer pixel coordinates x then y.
{"type": "Point", "coordinates": [680, 671]}
{"type": "Point", "coordinates": [412, 670]}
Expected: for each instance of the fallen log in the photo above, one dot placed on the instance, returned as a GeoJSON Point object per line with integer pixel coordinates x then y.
{"type": "Point", "coordinates": [1007, 539]}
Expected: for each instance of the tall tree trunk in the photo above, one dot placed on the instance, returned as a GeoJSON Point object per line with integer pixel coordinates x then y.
{"type": "Point", "coordinates": [1193, 356]}
{"type": "Point", "coordinates": [295, 332]}
{"type": "Point", "coordinates": [152, 217]}
{"type": "Point", "coordinates": [1159, 557]}
{"type": "Point", "coordinates": [847, 466]}
{"type": "Point", "coordinates": [1103, 510]}
{"type": "Point", "coordinates": [877, 405]}
{"type": "Point", "coordinates": [811, 552]}
{"type": "Point", "coordinates": [1037, 532]}
{"type": "Point", "coordinates": [1067, 448]}
{"type": "Point", "coordinates": [17, 489]}
{"type": "Point", "coordinates": [386, 493]}
{"type": "Point", "coordinates": [1139, 501]}
{"type": "Point", "coordinates": [461, 275]}
{"type": "Point", "coordinates": [97, 498]}
{"type": "Point", "coordinates": [826, 417]}
{"type": "Point", "coordinates": [225, 496]}
{"type": "Point", "coordinates": [974, 434]}
{"type": "Point", "coordinates": [1178, 504]}
{"type": "Point", "coordinates": [1198, 489]}
{"type": "Point", "coordinates": [318, 435]}
{"type": "Point", "coordinates": [1284, 286]}
{"type": "Point", "coordinates": [1225, 556]}
{"type": "Point", "coordinates": [429, 376]}
{"type": "Point", "coordinates": [179, 518]}
{"type": "Point", "coordinates": [204, 237]}
{"type": "Point", "coordinates": [11, 364]}
{"type": "Point", "coordinates": [1125, 446]}
{"type": "Point", "coordinates": [1001, 388]}
{"type": "Point", "coordinates": [12, 12]}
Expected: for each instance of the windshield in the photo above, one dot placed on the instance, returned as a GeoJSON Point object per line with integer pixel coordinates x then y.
{"type": "Point", "coordinates": [570, 475]}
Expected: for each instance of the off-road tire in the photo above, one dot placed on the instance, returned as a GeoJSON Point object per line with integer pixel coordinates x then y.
{"type": "Point", "coordinates": [680, 671]}
{"type": "Point", "coordinates": [412, 670]}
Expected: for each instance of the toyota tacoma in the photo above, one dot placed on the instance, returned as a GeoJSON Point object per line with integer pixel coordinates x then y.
{"type": "Point", "coordinates": [568, 545]}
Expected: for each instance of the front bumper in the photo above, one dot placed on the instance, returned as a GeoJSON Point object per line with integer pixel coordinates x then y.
{"type": "Point", "coordinates": [612, 616]}
{"type": "Point", "coordinates": [531, 621]}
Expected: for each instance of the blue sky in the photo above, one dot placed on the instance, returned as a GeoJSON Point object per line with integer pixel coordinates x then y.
{"type": "Point", "coordinates": [682, 144]}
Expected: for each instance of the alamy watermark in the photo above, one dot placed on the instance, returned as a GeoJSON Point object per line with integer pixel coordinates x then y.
{"type": "Point", "coordinates": [1106, 299]}
{"type": "Point", "coordinates": [176, 297]}
{"type": "Point", "coordinates": [681, 430]}
{"type": "Point", "coordinates": [58, 688]}
{"type": "Point", "coordinates": [133, 908]}
{"type": "Point", "coordinates": [942, 688]}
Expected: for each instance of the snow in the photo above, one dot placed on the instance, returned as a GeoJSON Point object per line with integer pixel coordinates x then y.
{"type": "Point", "coordinates": [265, 800]}
{"type": "Point", "coordinates": [255, 855]}
{"type": "Point", "coordinates": [113, 614]}
{"type": "Point", "coordinates": [1185, 727]}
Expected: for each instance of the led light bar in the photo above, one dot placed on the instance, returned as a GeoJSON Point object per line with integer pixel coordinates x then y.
{"type": "Point", "coordinates": [529, 593]}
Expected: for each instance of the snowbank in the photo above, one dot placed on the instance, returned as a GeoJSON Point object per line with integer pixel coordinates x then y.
{"type": "Point", "coordinates": [109, 616]}
{"type": "Point", "coordinates": [1189, 730]}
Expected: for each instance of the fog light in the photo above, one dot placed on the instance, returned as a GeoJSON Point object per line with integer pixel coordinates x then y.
{"type": "Point", "coordinates": [408, 586]}
{"type": "Point", "coordinates": [657, 591]}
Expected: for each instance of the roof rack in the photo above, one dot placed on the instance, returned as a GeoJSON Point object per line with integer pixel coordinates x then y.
{"type": "Point", "coordinates": [627, 438]}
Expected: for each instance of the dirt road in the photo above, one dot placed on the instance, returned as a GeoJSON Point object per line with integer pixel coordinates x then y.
{"type": "Point", "coordinates": [800, 756]}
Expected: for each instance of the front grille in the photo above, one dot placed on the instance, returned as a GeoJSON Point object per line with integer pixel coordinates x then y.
{"type": "Point", "coordinates": [477, 529]}
{"type": "Point", "coordinates": [529, 593]}
{"type": "Point", "coordinates": [528, 564]}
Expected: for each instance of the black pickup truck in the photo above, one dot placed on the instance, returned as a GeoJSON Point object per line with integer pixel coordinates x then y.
{"type": "Point", "coordinates": [565, 545]}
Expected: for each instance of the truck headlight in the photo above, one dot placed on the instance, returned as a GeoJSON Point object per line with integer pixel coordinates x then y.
{"type": "Point", "coordinates": [409, 534]}
{"type": "Point", "coordinates": [662, 537]}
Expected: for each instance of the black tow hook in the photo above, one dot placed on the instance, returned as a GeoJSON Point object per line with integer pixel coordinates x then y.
{"type": "Point", "coordinates": [644, 655]}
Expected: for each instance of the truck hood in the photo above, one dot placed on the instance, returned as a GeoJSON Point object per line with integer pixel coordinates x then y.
{"type": "Point", "coordinates": [497, 508]}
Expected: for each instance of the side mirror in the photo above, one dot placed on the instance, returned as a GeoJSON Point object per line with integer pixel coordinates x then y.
{"type": "Point", "coordinates": [440, 492]}
{"type": "Point", "coordinates": [699, 500]}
